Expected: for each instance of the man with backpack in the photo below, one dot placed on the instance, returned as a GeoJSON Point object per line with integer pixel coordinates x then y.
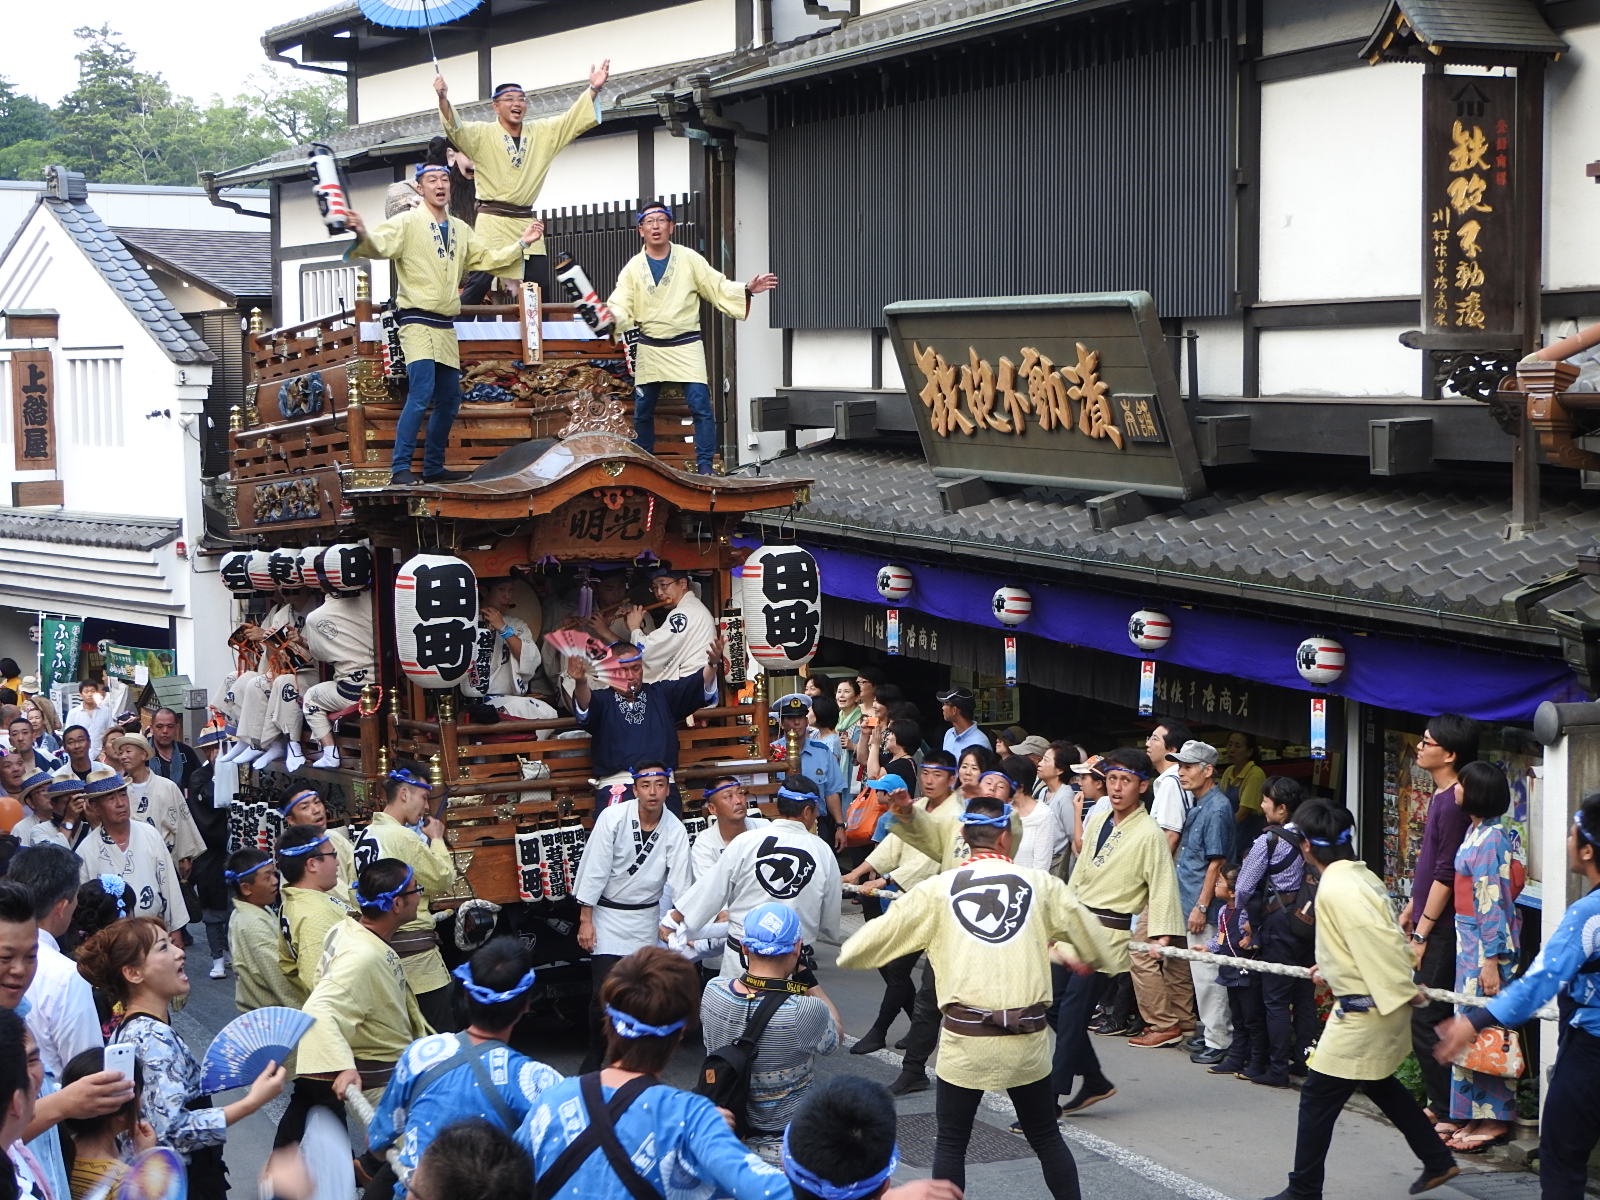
{"type": "Point", "coordinates": [763, 1029]}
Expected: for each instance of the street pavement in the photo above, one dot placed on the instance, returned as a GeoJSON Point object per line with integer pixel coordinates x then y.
{"type": "Point", "coordinates": [1172, 1129]}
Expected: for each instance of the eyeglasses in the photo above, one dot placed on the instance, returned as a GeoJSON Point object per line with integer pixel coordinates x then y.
{"type": "Point", "coordinates": [416, 891]}
{"type": "Point", "coordinates": [1425, 740]}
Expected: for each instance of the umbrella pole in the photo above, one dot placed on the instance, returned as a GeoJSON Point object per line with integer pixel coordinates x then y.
{"type": "Point", "coordinates": [428, 29]}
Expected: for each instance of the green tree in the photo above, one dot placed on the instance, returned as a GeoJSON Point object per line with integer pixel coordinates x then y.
{"type": "Point", "coordinates": [112, 96]}
{"type": "Point", "coordinates": [300, 111]}
{"type": "Point", "coordinates": [22, 118]}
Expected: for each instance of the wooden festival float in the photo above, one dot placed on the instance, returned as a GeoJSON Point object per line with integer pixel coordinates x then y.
{"type": "Point", "coordinates": [558, 488]}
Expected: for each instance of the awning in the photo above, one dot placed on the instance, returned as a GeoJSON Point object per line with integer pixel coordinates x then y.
{"type": "Point", "coordinates": [91, 565]}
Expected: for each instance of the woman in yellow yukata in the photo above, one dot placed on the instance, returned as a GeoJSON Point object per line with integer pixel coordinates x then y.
{"type": "Point", "coordinates": [1363, 957]}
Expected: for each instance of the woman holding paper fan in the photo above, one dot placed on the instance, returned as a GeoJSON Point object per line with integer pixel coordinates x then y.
{"type": "Point", "coordinates": [137, 963]}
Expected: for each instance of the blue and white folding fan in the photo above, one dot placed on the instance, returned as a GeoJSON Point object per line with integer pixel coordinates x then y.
{"type": "Point", "coordinates": [246, 1044]}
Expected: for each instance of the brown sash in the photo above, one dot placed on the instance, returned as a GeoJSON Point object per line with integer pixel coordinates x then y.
{"type": "Point", "coordinates": [408, 943]}
{"type": "Point", "coordinates": [374, 1074]}
{"type": "Point", "coordinates": [499, 208]}
{"type": "Point", "coordinates": [997, 1022]}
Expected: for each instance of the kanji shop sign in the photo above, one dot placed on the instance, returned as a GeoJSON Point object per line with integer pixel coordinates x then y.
{"type": "Point", "coordinates": [1469, 222]}
{"type": "Point", "coordinates": [1069, 391]}
{"type": "Point", "coordinates": [605, 523]}
{"type": "Point", "coordinates": [33, 409]}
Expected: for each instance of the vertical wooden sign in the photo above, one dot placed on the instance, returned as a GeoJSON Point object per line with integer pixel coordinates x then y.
{"type": "Point", "coordinates": [532, 323]}
{"type": "Point", "coordinates": [1469, 284]}
{"type": "Point", "coordinates": [33, 409]}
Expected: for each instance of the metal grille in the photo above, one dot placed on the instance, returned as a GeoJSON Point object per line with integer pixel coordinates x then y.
{"type": "Point", "coordinates": [915, 1133]}
{"type": "Point", "coordinates": [1078, 159]}
{"type": "Point", "coordinates": [603, 237]}
{"type": "Point", "coordinates": [221, 332]}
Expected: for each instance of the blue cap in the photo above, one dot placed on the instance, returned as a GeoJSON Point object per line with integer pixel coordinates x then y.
{"type": "Point", "coordinates": [795, 704]}
{"type": "Point", "coordinates": [771, 930]}
{"type": "Point", "coordinates": [889, 783]}
{"type": "Point", "coordinates": [105, 785]}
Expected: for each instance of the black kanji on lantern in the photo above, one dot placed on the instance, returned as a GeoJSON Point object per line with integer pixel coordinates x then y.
{"type": "Point", "coordinates": [794, 626]}
{"type": "Point", "coordinates": [791, 576]}
{"type": "Point", "coordinates": [445, 646]}
{"type": "Point", "coordinates": [446, 591]}
{"type": "Point", "coordinates": [235, 573]}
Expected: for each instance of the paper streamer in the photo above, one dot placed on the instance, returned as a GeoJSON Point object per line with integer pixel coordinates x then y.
{"type": "Point", "coordinates": [1147, 687]}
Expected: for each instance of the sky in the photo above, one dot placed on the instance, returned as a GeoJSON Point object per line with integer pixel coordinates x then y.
{"type": "Point", "coordinates": [200, 46]}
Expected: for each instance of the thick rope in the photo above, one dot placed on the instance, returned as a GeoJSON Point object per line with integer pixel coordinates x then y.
{"type": "Point", "coordinates": [358, 1105]}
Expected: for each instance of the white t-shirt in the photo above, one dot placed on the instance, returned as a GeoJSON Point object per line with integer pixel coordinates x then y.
{"type": "Point", "coordinates": [1169, 802]}
{"type": "Point", "coordinates": [1040, 829]}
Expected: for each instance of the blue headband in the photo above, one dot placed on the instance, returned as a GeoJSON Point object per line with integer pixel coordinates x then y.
{"type": "Point", "coordinates": [632, 1027]}
{"type": "Point", "coordinates": [1583, 831]}
{"type": "Point", "coordinates": [424, 168]}
{"type": "Point", "coordinates": [406, 775]}
{"type": "Point", "coordinates": [652, 773]}
{"type": "Point", "coordinates": [789, 793]}
{"type": "Point", "coordinates": [299, 797]}
{"type": "Point", "coordinates": [238, 877]}
{"type": "Point", "coordinates": [504, 88]}
{"type": "Point", "coordinates": [386, 900]}
{"type": "Point", "coordinates": [1110, 767]}
{"type": "Point", "coordinates": [1342, 840]}
{"type": "Point", "coordinates": [1003, 821]}
{"type": "Point", "coordinates": [654, 208]}
{"type": "Point", "coordinates": [721, 787]}
{"type": "Point", "coordinates": [999, 775]}
{"type": "Point", "coordinates": [927, 766]}
{"type": "Point", "coordinates": [632, 656]}
{"type": "Point", "coordinates": [115, 885]}
{"type": "Point", "coordinates": [299, 851]}
{"type": "Point", "coordinates": [825, 1190]}
{"type": "Point", "coordinates": [485, 995]}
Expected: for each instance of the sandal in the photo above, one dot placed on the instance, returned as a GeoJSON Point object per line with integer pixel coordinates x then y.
{"type": "Point", "coordinates": [1477, 1143]}
{"type": "Point", "coordinates": [1446, 1130]}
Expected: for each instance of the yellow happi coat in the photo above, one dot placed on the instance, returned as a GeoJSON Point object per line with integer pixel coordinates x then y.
{"type": "Point", "coordinates": [255, 940]}
{"type": "Point", "coordinates": [362, 1005]}
{"type": "Point", "coordinates": [1131, 872]}
{"type": "Point", "coordinates": [512, 170]}
{"type": "Point", "coordinates": [670, 308]}
{"type": "Point", "coordinates": [899, 858]}
{"type": "Point", "coordinates": [1361, 952]}
{"type": "Point", "coordinates": [430, 265]}
{"type": "Point", "coordinates": [307, 916]}
{"type": "Point", "coordinates": [938, 835]}
{"type": "Point", "coordinates": [987, 926]}
{"type": "Point", "coordinates": [430, 860]}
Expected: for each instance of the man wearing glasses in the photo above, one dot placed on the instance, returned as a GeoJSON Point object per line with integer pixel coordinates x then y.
{"type": "Point", "coordinates": [658, 295]}
{"type": "Point", "coordinates": [677, 646]}
{"type": "Point", "coordinates": [312, 902]}
{"type": "Point", "coordinates": [406, 829]}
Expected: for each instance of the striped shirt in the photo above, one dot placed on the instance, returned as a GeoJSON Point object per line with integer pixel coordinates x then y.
{"type": "Point", "coordinates": [801, 1028]}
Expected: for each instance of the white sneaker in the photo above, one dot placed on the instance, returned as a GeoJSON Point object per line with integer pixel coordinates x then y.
{"type": "Point", "coordinates": [219, 969]}
{"type": "Point", "coordinates": [294, 757]}
{"type": "Point", "coordinates": [272, 754]}
{"type": "Point", "coordinates": [328, 760]}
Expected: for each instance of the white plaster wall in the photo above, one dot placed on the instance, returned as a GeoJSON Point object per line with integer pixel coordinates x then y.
{"type": "Point", "coordinates": [1341, 185]}
{"type": "Point", "coordinates": [686, 32]}
{"type": "Point", "coordinates": [1298, 24]}
{"type": "Point", "coordinates": [672, 163]}
{"type": "Point", "coordinates": [1361, 361]}
{"type": "Point", "coordinates": [1572, 208]}
{"type": "Point", "coordinates": [591, 170]}
{"type": "Point", "coordinates": [1220, 351]}
{"type": "Point", "coordinates": [300, 221]}
{"type": "Point", "coordinates": [757, 345]}
{"type": "Point", "coordinates": [891, 365]}
{"type": "Point", "coordinates": [410, 89]}
{"type": "Point", "coordinates": [836, 358]}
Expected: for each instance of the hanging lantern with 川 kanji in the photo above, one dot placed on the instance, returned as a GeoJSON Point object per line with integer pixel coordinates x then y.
{"type": "Point", "coordinates": [894, 582]}
{"type": "Point", "coordinates": [1012, 605]}
{"type": "Point", "coordinates": [1149, 630]}
{"type": "Point", "coordinates": [780, 597]}
{"type": "Point", "coordinates": [1319, 660]}
{"type": "Point", "coordinates": [435, 619]}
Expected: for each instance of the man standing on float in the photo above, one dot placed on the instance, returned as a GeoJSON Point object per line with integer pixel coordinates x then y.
{"type": "Point", "coordinates": [511, 159]}
{"type": "Point", "coordinates": [659, 293]}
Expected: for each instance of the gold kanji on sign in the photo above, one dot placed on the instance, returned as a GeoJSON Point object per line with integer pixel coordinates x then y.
{"type": "Point", "coordinates": [1469, 148]}
{"type": "Point", "coordinates": [1466, 193]}
{"type": "Point", "coordinates": [1046, 390]}
{"type": "Point", "coordinates": [939, 392]}
{"type": "Point", "coordinates": [1093, 397]}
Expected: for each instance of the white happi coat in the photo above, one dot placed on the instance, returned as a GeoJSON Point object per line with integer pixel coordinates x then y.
{"type": "Point", "coordinates": [339, 633]}
{"type": "Point", "coordinates": [783, 861]}
{"type": "Point", "coordinates": [507, 675]}
{"type": "Point", "coordinates": [621, 863]}
{"type": "Point", "coordinates": [159, 803]}
{"type": "Point", "coordinates": [146, 867]}
{"type": "Point", "coordinates": [677, 647]}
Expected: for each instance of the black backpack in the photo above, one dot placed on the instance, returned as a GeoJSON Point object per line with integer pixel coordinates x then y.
{"type": "Point", "coordinates": [725, 1073]}
{"type": "Point", "coordinates": [1300, 903]}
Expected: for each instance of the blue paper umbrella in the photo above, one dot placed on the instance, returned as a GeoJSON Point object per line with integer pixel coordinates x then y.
{"type": "Point", "coordinates": [415, 14]}
{"type": "Point", "coordinates": [246, 1044]}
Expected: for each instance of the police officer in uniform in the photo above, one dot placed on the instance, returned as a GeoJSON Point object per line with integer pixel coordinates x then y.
{"type": "Point", "coordinates": [817, 764]}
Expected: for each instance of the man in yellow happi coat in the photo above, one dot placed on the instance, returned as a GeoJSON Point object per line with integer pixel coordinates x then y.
{"type": "Point", "coordinates": [432, 253]}
{"type": "Point", "coordinates": [405, 829]}
{"type": "Point", "coordinates": [658, 295]}
{"type": "Point", "coordinates": [1364, 959]}
{"type": "Point", "coordinates": [511, 159]}
{"type": "Point", "coordinates": [990, 929]}
{"type": "Point", "coordinates": [311, 902]}
{"type": "Point", "coordinates": [366, 1014]}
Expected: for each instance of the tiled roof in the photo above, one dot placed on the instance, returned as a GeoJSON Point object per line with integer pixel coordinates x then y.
{"type": "Point", "coordinates": [237, 263]}
{"type": "Point", "coordinates": [88, 529]}
{"type": "Point", "coordinates": [129, 281]}
{"type": "Point", "coordinates": [1431, 550]}
{"type": "Point", "coordinates": [627, 91]}
{"type": "Point", "coordinates": [1470, 25]}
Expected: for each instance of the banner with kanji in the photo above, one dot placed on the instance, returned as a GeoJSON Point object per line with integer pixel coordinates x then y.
{"type": "Point", "coordinates": [60, 643]}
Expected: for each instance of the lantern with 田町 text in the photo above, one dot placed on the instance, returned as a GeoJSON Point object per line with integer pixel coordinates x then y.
{"type": "Point", "coordinates": [1012, 605]}
{"type": "Point", "coordinates": [894, 582]}
{"type": "Point", "coordinates": [780, 598]}
{"type": "Point", "coordinates": [1319, 660]}
{"type": "Point", "coordinates": [1149, 630]}
{"type": "Point", "coordinates": [435, 619]}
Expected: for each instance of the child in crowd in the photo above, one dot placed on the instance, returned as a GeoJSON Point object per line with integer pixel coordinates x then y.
{"type": "Point", "coordinates": [95, 1166]}
{"type": "Point", "coordinates": [1247, 1056]}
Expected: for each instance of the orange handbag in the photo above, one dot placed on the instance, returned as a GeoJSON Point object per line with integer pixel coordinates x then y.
{"type": "Point", "coordinates": [1497, 1051]}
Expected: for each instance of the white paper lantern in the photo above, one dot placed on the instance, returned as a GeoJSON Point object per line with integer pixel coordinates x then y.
{"type": "Point", "coordinates": [781, 600]}
{"type": "Point", "coordinates": [260, 568]}
{"type": "Point", "coordinates": [235, 573]}
{"type": "Point", "coordinates": [1319, 660]}
{"type": "Point", "coordinates": [1149, 630]}
{"type": "Point", "coordinates": [345, 569]}
{"type": "Point", "coordinates": [894, 582]}
{"type": "Point", "coordinates": [435, 619]}
{"type": "Point", "coordinates": [284, 567]}
{"type": "Point", "coordinates": [1012, 605]}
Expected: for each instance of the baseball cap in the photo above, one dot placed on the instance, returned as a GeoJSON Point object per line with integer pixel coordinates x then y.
{"type": "Point", "coordinates": [1195, 752]}
{"type": "Point", "coordinates": [889, 783]}
{"type": "Point", "coordinates": [954, 694]}
{"type": "Point", "coordinates": [1032, 744]}
{"type": "Point", "coordinates": [1095, 766]}
{"type": "Point", "coordinates": [771, 929]}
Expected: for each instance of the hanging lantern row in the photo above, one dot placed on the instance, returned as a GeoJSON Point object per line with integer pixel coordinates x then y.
{"type": "Point", "coordinates": [343, 569]}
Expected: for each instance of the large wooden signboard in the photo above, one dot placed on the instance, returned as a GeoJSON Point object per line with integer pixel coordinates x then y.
{"type": "Point", "coordinates": [1067, 391]}
{"type": "Point", "coordinates": [33, 410]}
